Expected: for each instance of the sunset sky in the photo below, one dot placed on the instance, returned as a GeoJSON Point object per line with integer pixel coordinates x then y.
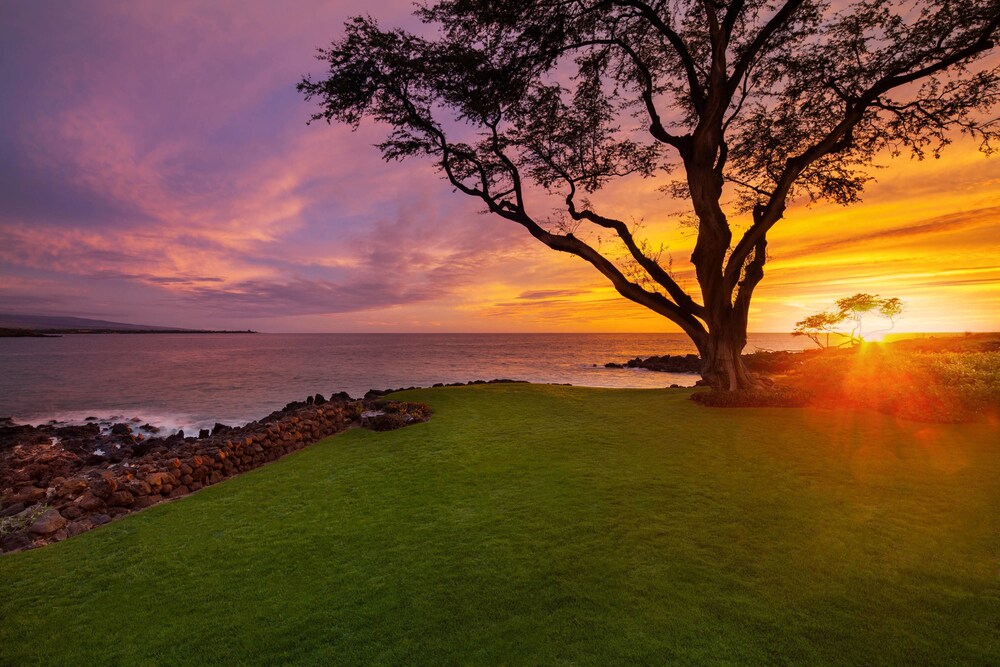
{"type": "Point", "coordinates": [157, 168]}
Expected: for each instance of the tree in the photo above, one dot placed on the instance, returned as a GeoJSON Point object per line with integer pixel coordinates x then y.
{"type": "Point", "coordinates": [820, 324]}
{"type": "Point", "coordinates": [853, 309]}
{"type": "Point", "coordinates": [749, 104]}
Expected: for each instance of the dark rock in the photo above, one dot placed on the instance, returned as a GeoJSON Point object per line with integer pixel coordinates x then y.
{"type": "Point", "coordinates": [138, 487]}
{"type": "Point", "coordinates": [121, 430]}
{"type": "Point", "coordinates": [15, 541]}
{"type": "Point", "coordinates": [72, 512]}
{"type": "Point", "coordinates": [84, 432]}
{"type": "Point", "coordinates": [103, 486]}
{"type": "Point", "coordinates": [220, 428]}
{"type": "Point", "coordinates": [142, 502]}
{"type": "Point", "coordinates": [71, 487]}
{"type": "Point", "coordinates": [89, 502]}
{"type": "Point", "coordinates": [100, 519]}
{"type": "Point", "coordinates": [121, 499]}
{"type": "Point", "coordinates": [77, 527]}
{"type": "Point", "coordinates": [318, 399]}
{"type": "Point", "coordinates": [204, 433]}
{"type": "Point", "coordinates": [11, 510]}
{"type": "Point", "coordinates": [179, 491]}
{"type": "Point", "coordinates": [48, 523]}
{"type": "Point", "coordinates": [29, 494]}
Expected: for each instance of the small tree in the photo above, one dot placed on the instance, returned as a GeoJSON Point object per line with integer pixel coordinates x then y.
{"type": "Point", "coordinates": [818, 327]}
{"type": "Point", "coordinates": [749, 104]}
{"type": "Point", "coordinates": [853, 310]}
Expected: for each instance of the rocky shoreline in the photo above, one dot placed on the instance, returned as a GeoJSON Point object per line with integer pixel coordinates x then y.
{"type": "Point", "coordinates": [59, 480]}
{"type": "Point", "coordinates": [762, 361]}
{"type": "Point", "coordinates": [668, 363]}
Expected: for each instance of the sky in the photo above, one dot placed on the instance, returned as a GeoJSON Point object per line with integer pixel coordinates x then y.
{"type": "Point", "coordinates": [156, 167]}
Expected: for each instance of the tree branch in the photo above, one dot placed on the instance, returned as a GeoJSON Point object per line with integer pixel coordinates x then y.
{"type": "Point", "coordinates": [680, 48]}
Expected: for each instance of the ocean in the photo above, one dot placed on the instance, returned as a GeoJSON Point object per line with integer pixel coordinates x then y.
{"type": "Point", "coordinates": [192, 381]}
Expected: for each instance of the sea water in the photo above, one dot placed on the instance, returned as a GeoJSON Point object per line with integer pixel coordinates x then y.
{"type": "Point", "coordinates": [191, 381]}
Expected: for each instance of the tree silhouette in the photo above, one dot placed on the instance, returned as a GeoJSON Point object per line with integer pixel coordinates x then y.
{"type": "Point", "coordinates": [749, 104]}
{"type": "Point", "coordinates": [854, 310]}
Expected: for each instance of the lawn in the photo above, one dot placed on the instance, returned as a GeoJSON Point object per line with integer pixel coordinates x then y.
{"type": "Point", "coordinates": [549, 525]}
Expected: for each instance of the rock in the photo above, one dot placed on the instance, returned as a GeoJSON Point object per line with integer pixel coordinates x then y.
{"type": "Point", "coordinates": [100, 519]}
{"type": "Point", "coordinates": [29, 495]}
{"type": "Point", "coordinates": [89, 502]}
{"type": "Point", "coordinates": [204, 433]}
{"type": "Point", "coordinates": [15, 541]}
{"type": "Point", "coordinates": [103, 486]}
{"type": "Point", "coordinates": [48, 523]}
{"type": "Point", "coordinates": [77, 527]}
{"type": "Point", "coordinates": [179, 491]}
{"type": "Point", "coordinates": [72, 512]}
{"type": "Point", "coordinates": [72, 487]}
{"type": "Point", "coordinates": [121, 430]}
{"type": "Point", "coordinates": [121, 499]}
{"type": "Point", "coordinates": [142, 502]}
{"type": "Point", "coordinates": [158, 479]}
{"type": "Point", "coordinates": [11, 510]}
{"type": "Point", "coordinates": [138, 487]}
{"type": "Point", "coordinates": [318, 399]}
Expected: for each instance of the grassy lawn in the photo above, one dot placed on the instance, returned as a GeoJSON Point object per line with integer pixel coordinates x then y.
{"type": "Point", "coordinates": [540, 525]}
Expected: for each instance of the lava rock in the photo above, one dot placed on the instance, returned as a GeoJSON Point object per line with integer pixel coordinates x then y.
{"type": "Point", "coordinates": [48, 523]}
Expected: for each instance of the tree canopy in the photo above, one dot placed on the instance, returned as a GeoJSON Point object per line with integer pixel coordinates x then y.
{"type": "Point", "coordinates": [746, 105]}
{"type": "Point", "coordinates": [848, 322]}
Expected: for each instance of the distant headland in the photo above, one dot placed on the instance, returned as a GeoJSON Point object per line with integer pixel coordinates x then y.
{"type": "Point", "coordinates": [34, 326]}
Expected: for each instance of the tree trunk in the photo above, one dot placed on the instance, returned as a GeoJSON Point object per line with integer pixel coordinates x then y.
{"type": "Point", "coordinates": [722, 364]}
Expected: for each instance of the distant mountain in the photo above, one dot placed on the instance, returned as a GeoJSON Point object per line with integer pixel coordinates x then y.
{"type": "Point", "coordinates": [43, 322]}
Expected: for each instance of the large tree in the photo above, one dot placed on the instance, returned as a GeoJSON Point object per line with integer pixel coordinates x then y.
{"type": "Point", "coordinates": [750, 104]}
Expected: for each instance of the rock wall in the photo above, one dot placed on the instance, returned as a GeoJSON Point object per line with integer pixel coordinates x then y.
{"type": "Point", "coordinates": [52, 489]}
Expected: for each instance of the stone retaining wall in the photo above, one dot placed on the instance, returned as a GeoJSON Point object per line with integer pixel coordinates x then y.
{"type": "Point", "coordinates": [50, 493]}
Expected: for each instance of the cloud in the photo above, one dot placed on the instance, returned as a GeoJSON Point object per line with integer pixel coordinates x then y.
{"type": "Point", "coordinates": [548, 294]}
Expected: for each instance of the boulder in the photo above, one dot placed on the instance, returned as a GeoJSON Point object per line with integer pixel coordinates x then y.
{"type": "Point", "coordinates": [121, 430]}
{"type": "Point", "coordinates": [29, 495]}
{"type": "Point", "coordinates": [11, 510]}
{"type": "Point", "coordinates": [100, 519]}
{"type": "Point", "coordinates": [48, 523]}
{"type": "Point", "coordinates": [15, 541]}
{"type": "Point", "coordinates": [72, 487]}
{"type": "Point", "coordinates": [121, 499]}
{"type": "Point", "coordinates": [103, 486]}
{"type": "Point", "coordinates": [142, 502]}
{"type": "Point", "coordinates": [89, 502]}
{"type": "Point", "coordinates": [77, 527]}
{"type": "Point", "coordinates": [138, 487]}
{"type": "Point", "coordinates": [158, 479]}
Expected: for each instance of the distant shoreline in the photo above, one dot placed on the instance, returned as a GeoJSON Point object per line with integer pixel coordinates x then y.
{"type": "Point", "coordinates": [55, 333]}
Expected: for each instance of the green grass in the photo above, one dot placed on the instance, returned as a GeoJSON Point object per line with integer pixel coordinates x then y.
{"type": "Point", "coordinates": [540, 525]}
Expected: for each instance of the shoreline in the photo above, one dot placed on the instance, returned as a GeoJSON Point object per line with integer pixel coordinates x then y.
{"type": "Point", "coordinates": [56, 483]}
